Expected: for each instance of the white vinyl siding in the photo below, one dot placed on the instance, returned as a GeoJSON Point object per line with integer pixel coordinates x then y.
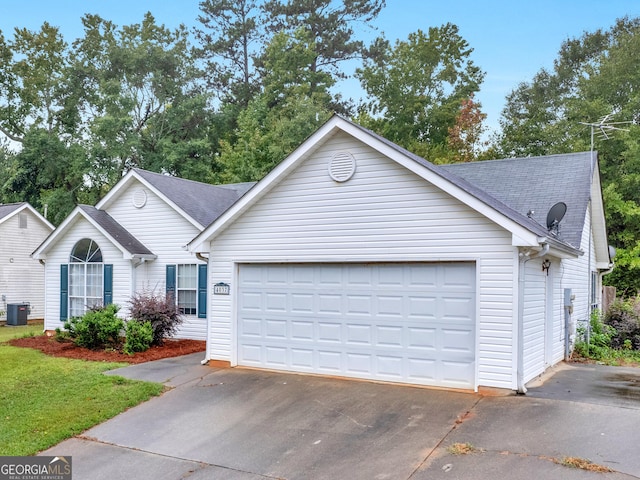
{"type": "Point", "coordinates": [535, 316]}
{"type": "Point", "coordinates": [576, 276]}
{"type": "Point", "coordinates": [384, 213]}
{"type": "Point", "coordinates": [22, 277]}
{"type": "Point", "coordinates": [165, 232]}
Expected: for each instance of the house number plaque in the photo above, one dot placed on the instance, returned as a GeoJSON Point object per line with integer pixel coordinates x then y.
{"type": "Point", "coordinates": [221, 288]}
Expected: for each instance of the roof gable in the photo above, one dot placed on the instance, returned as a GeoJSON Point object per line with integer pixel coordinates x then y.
{"type": "Point", "coordinates": [10, 209]}
{"type": "Point", "coordinates": [525, 231]}
{"type": "Point", "coordinates": [103, 222]}
{"type": "Point", "coordinates": [200, 203]}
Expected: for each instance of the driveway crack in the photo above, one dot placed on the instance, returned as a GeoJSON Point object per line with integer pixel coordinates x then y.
{"type": "Point", "coordinates": [458, 421]}
{"type": "Point", "coordinates": [201, 463]}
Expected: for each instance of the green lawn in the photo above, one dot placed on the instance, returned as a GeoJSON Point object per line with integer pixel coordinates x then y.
{"type": "Point", "coordinates": [44, 400]}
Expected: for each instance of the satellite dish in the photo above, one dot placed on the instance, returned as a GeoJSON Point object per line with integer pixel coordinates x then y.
{"type": "Point", "coordinates": [555, 216]}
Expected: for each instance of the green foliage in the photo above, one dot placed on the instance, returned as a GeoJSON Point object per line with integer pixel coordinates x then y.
{"type": "Point", "coordinates": [98, 328]}
{"type": "Point", "coordinates": [416, 87]}
{"type": "Point", "coordinates": [295, 102]}
{"type": "Point", "coordinates": [138, 337]}
{"type": "Point", "coordinates": [160, 311]}
{"type": "Point", "coordinates": [593, 76]}
{"type": "Point", "coordinates": [606, 344]}
{"type": "Point", "coordinates": [623, 316]}
{"type": "Point", "coordinates": [230, 40]}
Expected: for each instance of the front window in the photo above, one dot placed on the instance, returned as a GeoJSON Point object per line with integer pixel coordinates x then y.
{"type": "Point", "coordinates": [187, 289]}
{"type": "Point", "coordinates": [85, 277]}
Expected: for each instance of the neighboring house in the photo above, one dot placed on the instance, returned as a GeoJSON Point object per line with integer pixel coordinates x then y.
{"type": "Point", "coordinates": [356, 258]}
{"type": "Point", "coordinates": [134, 241]}
{"type": "Point", "coordinates": [22, 229]}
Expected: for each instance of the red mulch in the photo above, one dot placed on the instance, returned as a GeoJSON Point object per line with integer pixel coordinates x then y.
{"type": "Point", "coordinates": [50, 346]}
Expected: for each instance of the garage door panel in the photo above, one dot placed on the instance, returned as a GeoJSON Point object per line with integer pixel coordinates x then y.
{"type": "Point", "coordinates": [425, 308]}
{"type": "Point", "coordinates": [420, 370]}
{"type": "Point", "coordinates": [390, 367]}
{"type": "Point", "coordinates": [388, 322]}
{"type": "Point", "coordinates": [389, 336]}
{"type": "Point", "coordinates": [418, 276]}
{"type": "Point", "coordinates": [329, 361]}
{"type": "Point", "coordinates": [457, 340]}
{"type": "Point", "coordinates": [275, 302]}
{"type": "Point", "coordinates": [251, 354]}
{"type": "Point", "coordinates": [391, 306]}
{"type": "Point", "coordinates": [275, 329]}
{"type": "Point", "coordinates": [302, 358]}
{"type": "Point", "coordinates": [251, 327]}
{"type": "Point", "coordinates": [358, 334]}
{"type": "Point", "coordinates": [302, 330]}
{"type": "Point", "coordinates": [275, 356]}
{"type": "Point", "coordinates": [330, 332]}
{"type": "Point", "coordinates": [358, 363]}
{"type": "Point", "coordinates": [422, 337]}
{"type": "Point", "coordinates": [330, 303]}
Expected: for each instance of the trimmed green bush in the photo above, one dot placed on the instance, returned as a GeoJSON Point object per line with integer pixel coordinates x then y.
{"type": "Point", "coordinates": [98, 328]}
{"type": "Point", "coordinates": [139, 336]}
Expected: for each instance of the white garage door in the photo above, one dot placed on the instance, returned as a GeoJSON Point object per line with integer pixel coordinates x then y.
{"type": "Point", "coordinates": [411, 323]}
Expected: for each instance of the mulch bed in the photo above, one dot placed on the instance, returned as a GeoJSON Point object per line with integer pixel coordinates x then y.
{"type": "Point", "coordinates": [55, 348]}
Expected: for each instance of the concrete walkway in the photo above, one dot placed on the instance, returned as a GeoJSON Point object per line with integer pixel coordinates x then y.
{"type": "Point", "coordinates": [246, 424]}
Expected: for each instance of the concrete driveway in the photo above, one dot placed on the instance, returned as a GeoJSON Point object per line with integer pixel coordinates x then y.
{"type": "Point", "coordinates": [243, 424]}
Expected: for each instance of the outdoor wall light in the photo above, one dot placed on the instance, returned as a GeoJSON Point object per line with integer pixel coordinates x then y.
{"type": "Point", "coordinates": [545, 265]}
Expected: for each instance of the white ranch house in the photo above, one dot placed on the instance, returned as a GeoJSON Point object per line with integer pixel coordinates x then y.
{"type": "Point", "coordinates": [356, 258]}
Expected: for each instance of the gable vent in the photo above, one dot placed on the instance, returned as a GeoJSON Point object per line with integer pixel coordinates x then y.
{"type": "Point", "coordinates": [342, 166]}
{"type": "Point", "coordinates": [139, 198]}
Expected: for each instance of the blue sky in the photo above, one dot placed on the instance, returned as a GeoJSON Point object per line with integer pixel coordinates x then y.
{"type": "Point", "coordinates": [512, 39]}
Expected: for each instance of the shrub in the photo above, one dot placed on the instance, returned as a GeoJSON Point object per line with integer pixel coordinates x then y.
{"type": "Point", "coordinates": [98, 328]}
{"type": "Point", "coordinates": [624, 317]}
{"type": "Point", "coordinates": [139, 336]}
{"type": "Point", "coordinates": [160, 311]}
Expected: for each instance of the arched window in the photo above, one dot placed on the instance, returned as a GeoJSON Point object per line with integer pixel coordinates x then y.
{"type": "Point", "coordinates": [86, 274]}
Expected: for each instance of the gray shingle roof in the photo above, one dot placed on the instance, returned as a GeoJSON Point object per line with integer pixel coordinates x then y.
{"type": "Point", "coordinates": [201, 201]}
{"type": "Point", "coordinates": [537, 183]}
{"type": "Point", "coordinates": [117, 231]}
{"type": "Point", "coordinates": [8, 208]}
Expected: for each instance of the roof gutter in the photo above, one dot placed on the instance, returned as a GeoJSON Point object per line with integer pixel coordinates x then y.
{"type": "Point", "coordinates": [524, 257]}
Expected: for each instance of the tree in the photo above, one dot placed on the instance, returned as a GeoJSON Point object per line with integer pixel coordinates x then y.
{"type": "Point", "coordinates": [46, 171]}
{"type": "Point", "coordinates": [295, 101]}
{"type": "Point", "coordinates": [594, 75]}
{"type": "Point", "coordinates": [416, 87]}
{"type": "Point", "coordinates": [329, 24]}
{"type": "Point", "coordinates": [465, 136]}
{"type": "Point", "coordinates": [31, 81]}
{"type": "Point", "coordinates": [231, 40]}
{"type": "Point", "coordinates": [141, 101]}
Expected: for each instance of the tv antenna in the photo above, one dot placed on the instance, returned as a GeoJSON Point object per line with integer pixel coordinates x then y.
{"type": "Point", "coordinates": [603, 128]}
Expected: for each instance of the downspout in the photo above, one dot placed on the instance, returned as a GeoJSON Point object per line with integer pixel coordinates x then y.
{"type": "Point", "coordinates": [523, 259]}
{"type": "Point", "coordinates": [199, 256]}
